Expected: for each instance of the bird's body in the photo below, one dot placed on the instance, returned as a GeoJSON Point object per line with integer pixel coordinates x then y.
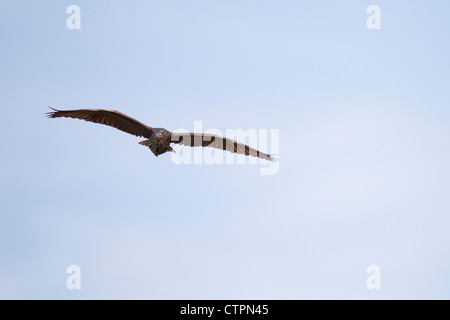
{"type": "Point", "coordinates": [158, 139]}
{"type": "Point", "coordinates": [159, 143]}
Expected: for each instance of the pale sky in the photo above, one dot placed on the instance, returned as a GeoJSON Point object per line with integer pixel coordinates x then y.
{"type": "Point", "coordinates": [364, 147]}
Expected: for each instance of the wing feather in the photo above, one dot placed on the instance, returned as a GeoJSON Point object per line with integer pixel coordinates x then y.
{"type": "Point", "coordinates": [110, 118]}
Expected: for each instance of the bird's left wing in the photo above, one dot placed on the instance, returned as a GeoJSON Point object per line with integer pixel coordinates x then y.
{"type": "Point", "coordinates": [218, 142]}
{"type": "Point", "coordinates": [107, 117]}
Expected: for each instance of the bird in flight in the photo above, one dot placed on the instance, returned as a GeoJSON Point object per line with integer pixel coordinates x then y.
{"type": "Point", "coordinates": [158, 139]}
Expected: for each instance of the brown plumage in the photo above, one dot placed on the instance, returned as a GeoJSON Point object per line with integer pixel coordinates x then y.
{"type": "Point", "coordinates": [158, 139]}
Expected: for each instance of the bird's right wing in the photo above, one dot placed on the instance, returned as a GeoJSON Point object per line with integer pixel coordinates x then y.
{"type": "Point", "coordinates": [107, 117]}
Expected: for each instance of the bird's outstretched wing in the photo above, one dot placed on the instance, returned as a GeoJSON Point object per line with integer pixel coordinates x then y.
{"type": "Point", "coordinates": [214, 141]}
{"type": "Point", "coordinates": [107, 117]}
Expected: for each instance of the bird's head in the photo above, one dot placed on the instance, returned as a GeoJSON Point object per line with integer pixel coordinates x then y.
{"type": "Point", "coordinates": [160, 133]}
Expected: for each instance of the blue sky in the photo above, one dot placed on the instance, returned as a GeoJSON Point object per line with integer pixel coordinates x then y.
{"type": "Point", "coordinates": [363, 179]}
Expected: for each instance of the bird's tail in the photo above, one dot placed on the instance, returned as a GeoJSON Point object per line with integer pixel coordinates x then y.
{"type": "Point", "coordinates": [145, 143]}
